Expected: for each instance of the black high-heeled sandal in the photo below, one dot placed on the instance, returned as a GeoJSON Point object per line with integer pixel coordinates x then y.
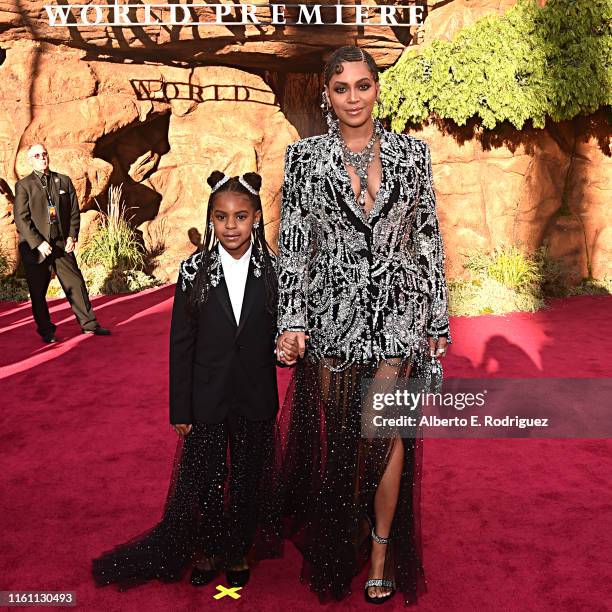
{"type": "Point", "coordinates": [379, 582]}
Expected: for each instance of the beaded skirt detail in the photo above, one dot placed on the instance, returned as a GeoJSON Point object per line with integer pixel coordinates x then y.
{"type": "Point", "coordinates": [331, 474]}
{"type": "Point", "coordinates": [219, 505]}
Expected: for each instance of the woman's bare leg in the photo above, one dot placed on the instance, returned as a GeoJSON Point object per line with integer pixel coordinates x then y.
{"type": "Point", "coordinates": [387, 494]}
{"type": "Point", "coordinates": [385, 502]}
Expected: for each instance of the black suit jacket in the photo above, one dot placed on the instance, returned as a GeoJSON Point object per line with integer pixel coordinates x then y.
{"type": "Point", "coordinates": [213, 360]}
{"type": "Point", "coordinates": [31, 214]}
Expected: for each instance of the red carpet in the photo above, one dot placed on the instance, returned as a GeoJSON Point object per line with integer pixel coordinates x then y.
{"type": "Point", "coordinates": [87, 449]}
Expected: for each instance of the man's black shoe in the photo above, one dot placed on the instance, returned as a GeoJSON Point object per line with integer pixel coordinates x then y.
{"type": "Point", "coordinates": [49, 339]}
{"type": "Point", "coordinates": [98, 331]}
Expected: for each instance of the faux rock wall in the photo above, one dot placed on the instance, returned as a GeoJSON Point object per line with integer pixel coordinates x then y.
{"type": "Point", "coordinates": [141, 107]}
{"type": "Point", "coordinates": [216, 117]}
{"type": "Point", "coordinates": [534, 187]}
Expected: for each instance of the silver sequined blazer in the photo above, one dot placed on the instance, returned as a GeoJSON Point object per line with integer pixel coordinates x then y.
{"type": "Point", "coordinates": [364, 288]}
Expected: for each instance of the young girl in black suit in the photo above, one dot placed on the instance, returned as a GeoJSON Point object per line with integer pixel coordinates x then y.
{"type": "Point", "coordinates": [223, 403]}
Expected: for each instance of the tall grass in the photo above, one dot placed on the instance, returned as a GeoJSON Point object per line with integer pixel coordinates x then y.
{"type": "Point", "coordinates": [12, 287]}
{"type": "Point", "coordinates": [5, 261]}
{"type": "Point", "coordinates": [504, 280]}
{"type": "Point", "coordinates": [114, 245]}
{"type": "Point", "coordinates": [113, 259]}
{"type": "Point", "coordinates": [507, 280]}
{"type": "Point", "coordinates": [508, 266]}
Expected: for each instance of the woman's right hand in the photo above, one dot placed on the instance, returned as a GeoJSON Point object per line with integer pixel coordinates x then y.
{"type": "Point", "coordinates": [182, 429]}
{"type": "Point", "coordinates": [291, 337]}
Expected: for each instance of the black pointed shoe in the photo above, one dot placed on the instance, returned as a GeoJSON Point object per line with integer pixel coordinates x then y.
{"type": "Point", "coordinates": [237, 578]}
{"type": "Point", "coordinates": [201, 577]}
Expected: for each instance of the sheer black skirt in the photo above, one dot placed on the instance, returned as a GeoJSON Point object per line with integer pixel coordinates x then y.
{"type": "Point", "coordinates": [219, 505]}
{"type": "Point", "coordinates": [331, 474]}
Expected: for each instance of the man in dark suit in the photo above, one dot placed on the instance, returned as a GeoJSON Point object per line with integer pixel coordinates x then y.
{"type": "Point", "coordinates": [47, 217]}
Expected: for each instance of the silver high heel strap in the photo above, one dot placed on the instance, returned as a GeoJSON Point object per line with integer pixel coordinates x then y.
{"type": "Point", "coordinates": [378, 539]}
{"type": "Point", "coordinates": [379, 582]}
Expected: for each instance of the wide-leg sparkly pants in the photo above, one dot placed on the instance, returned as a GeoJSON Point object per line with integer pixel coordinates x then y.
{"type": "Point", "coordinates": [219, 501]}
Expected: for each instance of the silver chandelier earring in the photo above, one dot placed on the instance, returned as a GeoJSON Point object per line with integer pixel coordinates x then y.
{"type": "Point", "coordinates": [327, 110]}
{"type": "Point", "coordinates": [211, 226]}
{"type": "Point", "coordinates": [256, 226]}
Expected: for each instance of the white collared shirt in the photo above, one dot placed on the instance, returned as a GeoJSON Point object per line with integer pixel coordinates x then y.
{"type": "Point", "coordinates": [235, 272]}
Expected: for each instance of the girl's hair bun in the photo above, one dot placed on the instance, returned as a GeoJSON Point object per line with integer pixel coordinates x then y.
{"type": "Point", "coordinates": [253, 179]}
{"type": "Point", "coordinates": [214, 178]}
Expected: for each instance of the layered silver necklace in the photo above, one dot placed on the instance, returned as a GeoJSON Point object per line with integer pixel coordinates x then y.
{"type": "Point", "coordinates": [360, 161]}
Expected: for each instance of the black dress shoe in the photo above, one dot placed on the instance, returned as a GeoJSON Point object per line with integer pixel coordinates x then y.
{"type": "Point", "coordinates": [49, 338]}
{"type": "Point", "coordinates": [237, 578]}
{"type": "Point", "coordinates": [98, 331]}
{"type": "Point", "coordinates": [201, 577]}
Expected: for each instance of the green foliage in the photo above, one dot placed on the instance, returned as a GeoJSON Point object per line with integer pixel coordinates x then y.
{"type": "Point", "coordinates": [507, 280]}
{"type": "Point", "coordinates": [5, 262]}
{"type": "Point", "coordinates": [508, 266]}
{"type": "Point", "coordinates": [488, 296]}
{"type": "Point", "coordinates": [112, 258]}
{"type": "Point", "coordinates": [114, 245]}
{"type": "Point", "coordinates": [529, 64]}
{"type": "Point", "coordinates": [100, 280]}
{"type": "Point", "coordinates": [591, 286]}
{"type": "Point", "coordinates": [13, 289]}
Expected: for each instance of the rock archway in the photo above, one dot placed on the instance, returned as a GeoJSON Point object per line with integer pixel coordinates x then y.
{"type": "Point", "coordinates": [159, 130]}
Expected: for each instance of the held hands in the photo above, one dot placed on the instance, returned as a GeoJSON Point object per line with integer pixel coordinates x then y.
{"type": "Point", "coordinates": [45, 249]}
{"type": "Point", "coordinates": [182, 429]}
{"type": "Point", "coordinates": [70, 244]}
{"type": "Point", "coordinates": [289, 346]}
{"type": "Point", "coordinates": [437, 349]}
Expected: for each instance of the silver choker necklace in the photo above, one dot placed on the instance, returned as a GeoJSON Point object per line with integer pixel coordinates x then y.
{"type": "Point", "coordinates": [360, 161]}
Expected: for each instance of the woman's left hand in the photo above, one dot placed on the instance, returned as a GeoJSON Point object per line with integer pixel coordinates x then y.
{"type": "Point", "coordinates": [437, 348]}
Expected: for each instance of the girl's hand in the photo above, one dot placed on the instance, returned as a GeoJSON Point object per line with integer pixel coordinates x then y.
{"type": "Point", "coordinates": [288, 342]}
{"type": "Point", "coordinates": [182, 429]}
{"type": "Point", "coordinates": [437, 349]}
{"type": "Point", "coordinates": [290, 348]}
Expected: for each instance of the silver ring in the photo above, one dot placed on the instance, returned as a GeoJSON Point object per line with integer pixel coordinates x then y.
{"type": "Point", "coordinates": [281, 354]}
{"type": "Point", "coordinates": [441, 350]}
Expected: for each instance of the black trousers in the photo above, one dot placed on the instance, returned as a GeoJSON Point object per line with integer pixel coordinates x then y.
{"type": "Point", "coordinates": [38, 276]}
{"type": "Point", "coordinates": [233, 496]}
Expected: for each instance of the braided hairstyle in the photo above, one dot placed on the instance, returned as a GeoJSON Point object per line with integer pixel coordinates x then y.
{"type": "Point", "coordinates": [201, 285]}
{"type": "Point", "coordinates": [348, 53]}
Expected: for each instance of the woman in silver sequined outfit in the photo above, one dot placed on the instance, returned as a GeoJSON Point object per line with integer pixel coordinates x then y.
{"type": "Point", "coordinates": [362, 289]}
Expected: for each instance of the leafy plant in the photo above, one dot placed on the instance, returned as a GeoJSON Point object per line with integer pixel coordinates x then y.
{"type": "Point", "coordinates": [488, 296]}
{"type": "Point", "coordinates": [12, 288]}
{"type": "Point", "coordinates": [529, 64]}
{"type": "Point", "coordinates": [507, 280]}
{"type": "Point", "coordinates": [114, 245]}
{"type": "Point", "coordinates": [504, 280]}
{"type": "Point", "coordinates": [113, 258]}
{"type": "Point", "coordinates": [5, 263]}
{"type": "Point", "coordinates": [508, 266]}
